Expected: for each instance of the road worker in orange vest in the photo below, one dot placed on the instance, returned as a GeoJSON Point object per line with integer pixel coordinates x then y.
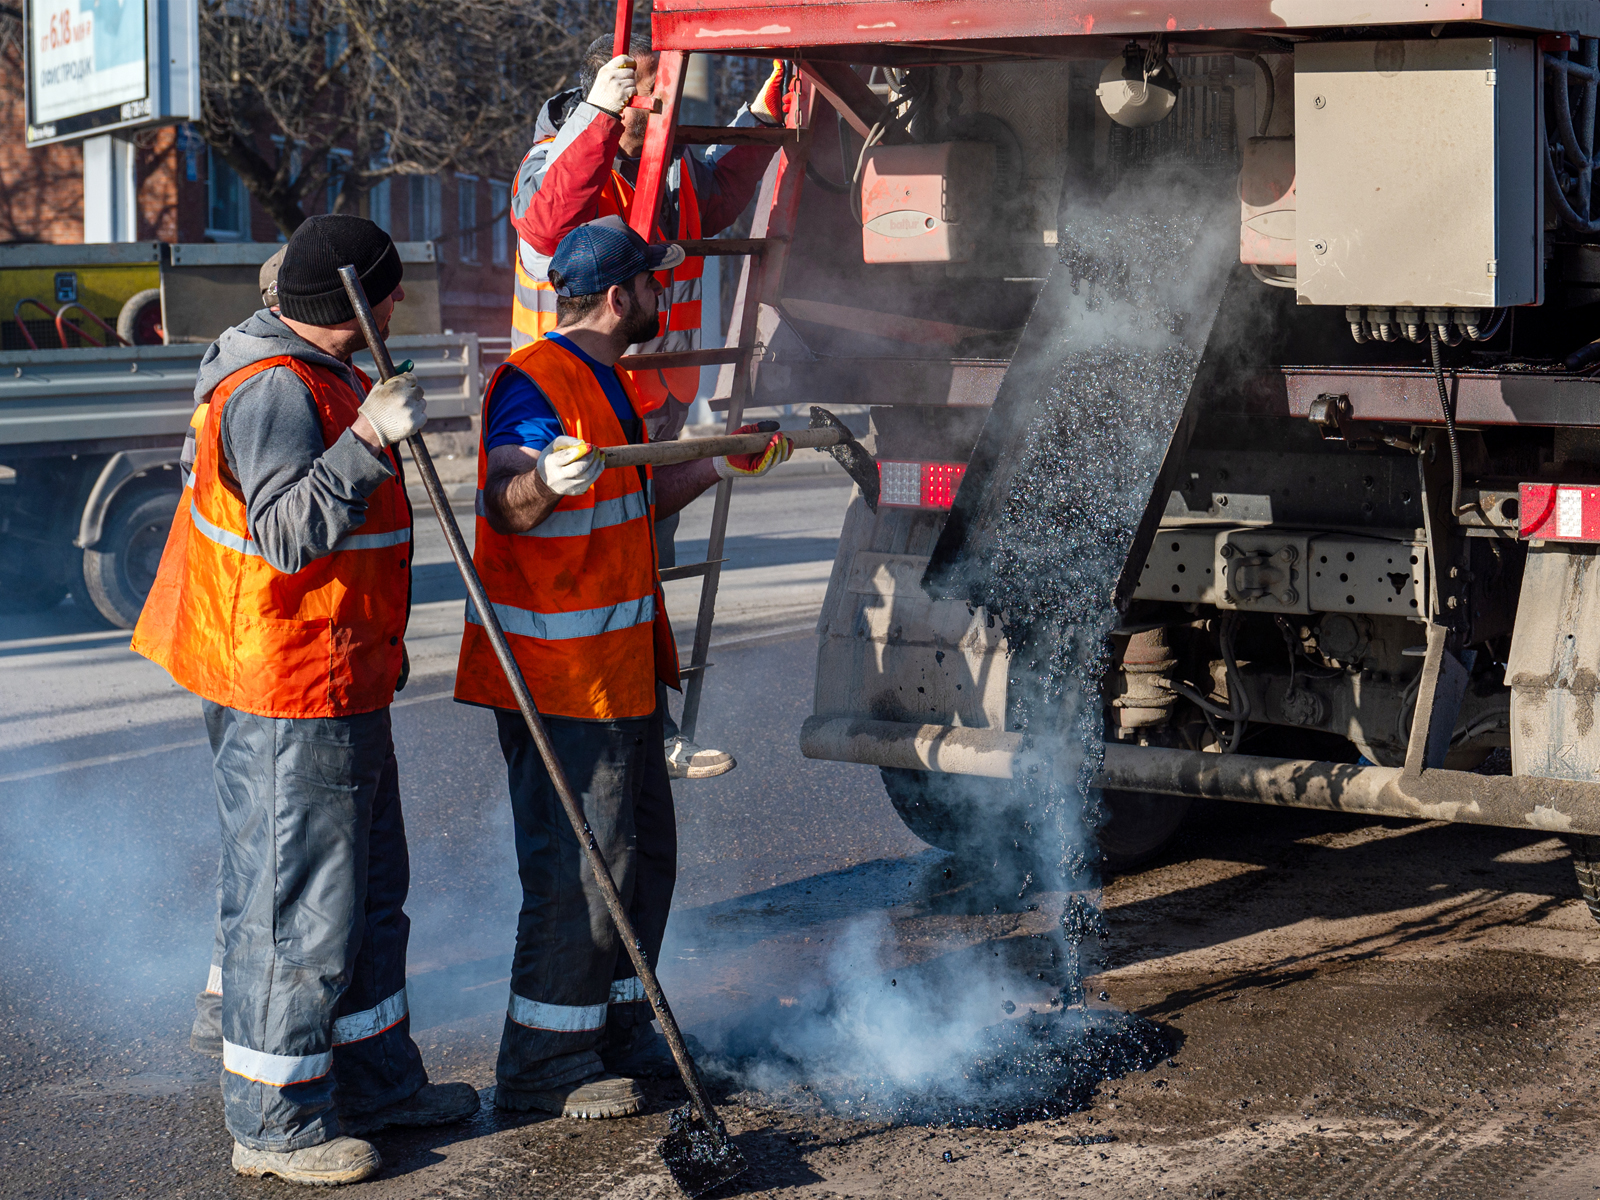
{"type": "Point", "coordinates": [581, 167]}
{"type": "Point", "coordinates": [281, 601]}
{"type": "Point", "coordinates": [566, 551]}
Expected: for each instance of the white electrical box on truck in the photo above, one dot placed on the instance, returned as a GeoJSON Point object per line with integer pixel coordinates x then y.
{"type": "Point", "coordinates": [1363, 578]}
{"type": "Point", "coordinates": [90, 434]}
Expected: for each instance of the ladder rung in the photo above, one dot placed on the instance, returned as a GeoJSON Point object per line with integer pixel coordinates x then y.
{"type": "Point", "coordinates": [681, 358]}
{"type": "Point", "coordinates": [710, 247]}
{"type": "Point", "coordinates": [735, 135]}
{"type": "Point", "coordinates": [688, 570]}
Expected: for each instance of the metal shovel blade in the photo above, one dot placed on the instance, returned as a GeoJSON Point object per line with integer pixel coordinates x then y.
{"type": "Point", "coordinates": [700, 1159]}
{"type": "Point", "coordinates": [851, 455]}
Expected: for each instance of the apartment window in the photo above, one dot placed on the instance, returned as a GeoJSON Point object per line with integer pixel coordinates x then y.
{"type": "Point", "coordinates": [500, 209]}
{"type": "Point", "coordinates": [467, 217]}
{"type": "Point", "coordinates": [427, 208]}
{"type": "Point", "coordinates": [227, 201]}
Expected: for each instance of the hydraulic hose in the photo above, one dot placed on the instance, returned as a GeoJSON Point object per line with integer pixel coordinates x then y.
{"type": "Point", "coordinates": [1449, 422]}
{"type": "Point", "coordinates": [1270, 98]}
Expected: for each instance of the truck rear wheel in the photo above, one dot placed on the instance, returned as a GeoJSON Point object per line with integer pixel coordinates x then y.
{"type": "Point", "coordinates": [119, 571]}
{"type": "Point", "coordinates": [973, 815]}
{"type": "Point", "coordinates": [1586, 863]}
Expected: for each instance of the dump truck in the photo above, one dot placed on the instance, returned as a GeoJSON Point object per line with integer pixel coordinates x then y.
{"type": "Point", "coordinates": [96, 400]}
{"type": "Point", "coordinates": [1362, 571]}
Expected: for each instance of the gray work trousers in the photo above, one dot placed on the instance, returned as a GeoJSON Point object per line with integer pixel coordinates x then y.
{"type": "Point", "coordinates": [314, 880]}
{"type": "Point", "coordinates": [572, 983]}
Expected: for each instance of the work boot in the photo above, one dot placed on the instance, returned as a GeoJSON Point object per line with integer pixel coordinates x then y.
{"type": "Point", "coordinates": [646, 1055]}
{"type": "Point", "coordinates": [431, 1104]}
{"type": "Point", "coordinates": [595, 1099]}
{"type": "Point", "coordinates": [205, 1037]}
{"type": "Point", "coordinates": [343, 1160]}
{"type": "Point", "coordinates": [685, 760]}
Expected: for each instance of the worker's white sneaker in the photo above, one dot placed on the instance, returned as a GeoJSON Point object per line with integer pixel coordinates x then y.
{"type": "Point", "coordinates": [594, 1099]}
{"type": "Point", "coordinates": [342, 1160]}
{"type": "Point", "coordinates": [685, 760]}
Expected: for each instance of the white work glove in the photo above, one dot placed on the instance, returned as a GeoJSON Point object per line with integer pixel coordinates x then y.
{"type": "Point", "coordinates": [569, 466]}
{"type": "Point", "coordinates": [614, 85]}
{"type": "Point", "coordinates": [395, 409]}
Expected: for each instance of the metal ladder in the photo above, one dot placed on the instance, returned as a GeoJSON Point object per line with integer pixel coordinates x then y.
{"type": "Point", "coordinates": [764, 254]}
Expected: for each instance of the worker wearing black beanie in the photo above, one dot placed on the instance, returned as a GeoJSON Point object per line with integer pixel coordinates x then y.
{"type": "Point", "coordinates": [308, 281]}
{"type": "Point", "coordinates": [282, 602]}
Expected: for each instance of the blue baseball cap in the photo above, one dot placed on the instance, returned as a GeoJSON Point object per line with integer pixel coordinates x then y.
{"type": "Point", "coordinates": [600, 254]}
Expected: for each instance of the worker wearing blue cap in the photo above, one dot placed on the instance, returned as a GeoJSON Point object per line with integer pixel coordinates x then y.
{"type": "Point", "coordinates": [566, 550]}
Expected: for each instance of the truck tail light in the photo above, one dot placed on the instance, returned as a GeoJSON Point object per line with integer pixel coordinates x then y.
{"type": "Point", "coordinates": [919, 484]}
{"type": "Point", "coordinates": [1559, 512]}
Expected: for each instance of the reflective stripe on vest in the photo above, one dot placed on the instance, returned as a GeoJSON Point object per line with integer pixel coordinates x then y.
{"type": "Point", "coordinates": [577, 594]}
{"type": "Point", "coordinates": [627, 991]}
{"type": "Point", "coordinates": [323, 641]}
{"type": "Point", "coordinates": [578, 522]}
{"type": "Point", "coordinates": [247, 546]}
{"type": "Point", "coordinates": [564, 626]}
{"type": "Point", "coordinates": [557, 1018]}
{"type": "Point", "coordinates": [369, 1023]}
{"type": "Point", "coordinates": [533, 299]}
{"type": "Point", "coordinates": [274, 1070]}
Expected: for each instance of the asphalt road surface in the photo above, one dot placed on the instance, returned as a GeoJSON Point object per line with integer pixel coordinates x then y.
{"type": "Point", "coordinates": [1354, 1008]}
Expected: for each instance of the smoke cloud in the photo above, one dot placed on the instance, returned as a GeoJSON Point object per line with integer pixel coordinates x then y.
{"type": "Point", "coordinates": [1099, 384]}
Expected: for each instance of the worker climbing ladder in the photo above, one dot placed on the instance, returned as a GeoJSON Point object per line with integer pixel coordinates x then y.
{"type": "Point", "coordinates": [763, 253]}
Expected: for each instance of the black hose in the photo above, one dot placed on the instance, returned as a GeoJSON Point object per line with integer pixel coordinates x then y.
{"type": "Point", "coordinates": [1270, 98]}
{"type": "Point", "coordinates": [823, 182]}
{"type": "Point", "coordinates": [1583, 357]}
{"type": "Point", "coordinates": [1449, 423]}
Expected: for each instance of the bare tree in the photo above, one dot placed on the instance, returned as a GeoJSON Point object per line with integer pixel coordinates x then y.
{"type": "Point", "coordinates": [299, 93]}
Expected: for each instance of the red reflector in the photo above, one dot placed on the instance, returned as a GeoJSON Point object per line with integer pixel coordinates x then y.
{"type": "Point", "coordinates": [1559, 512]}
{"type": "Point", "coordinates": [919, 484]}
{"type": "Point", "coordinates": [1555, 43]}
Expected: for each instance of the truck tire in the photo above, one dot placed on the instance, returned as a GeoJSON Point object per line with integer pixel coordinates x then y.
{"type": "Point", "coordinates": [119, 571]}
{"type": "Point", "coordinates": [139, 322]}
{"type": "Point", "coordinates": [1586, 863]}
{"type": "Point", "coordinates": [972, 815]}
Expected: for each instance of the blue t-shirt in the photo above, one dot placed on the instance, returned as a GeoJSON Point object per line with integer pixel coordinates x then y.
{"type": "Point", "coordinates": [520, 415]}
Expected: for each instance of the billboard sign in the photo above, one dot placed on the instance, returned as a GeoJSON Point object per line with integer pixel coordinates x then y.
{"type": "Point", "coordinates": [94, 66]}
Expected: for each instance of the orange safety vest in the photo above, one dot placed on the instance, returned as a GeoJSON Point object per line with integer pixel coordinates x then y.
{"type": "Point", "coordinates": [233, 629]}
{"type": "Point", "coordinates": [578, 594]}
{"type": "Point", "coordinates": [533, 301]}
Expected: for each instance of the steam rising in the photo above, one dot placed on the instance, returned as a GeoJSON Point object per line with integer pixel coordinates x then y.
{"type": "Point", "coordinates": [952, 1040]}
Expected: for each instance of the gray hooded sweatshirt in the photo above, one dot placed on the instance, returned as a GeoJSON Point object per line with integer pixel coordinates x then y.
{"type": "Point", "coordinates": [300, 494]}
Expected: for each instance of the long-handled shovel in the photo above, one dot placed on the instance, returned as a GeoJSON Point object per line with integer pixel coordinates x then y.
{"type": "Point", "coordinates": [827, 433]}
{"type": "Point", "coordinates": [696, 1149]}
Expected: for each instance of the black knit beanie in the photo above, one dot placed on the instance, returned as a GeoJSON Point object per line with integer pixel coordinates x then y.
{"type": "Point", "coordinates": [308, 281]}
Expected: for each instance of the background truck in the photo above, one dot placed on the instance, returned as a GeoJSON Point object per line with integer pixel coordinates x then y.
{"type": "Point", "coordinates": [1365, 574]}
{"type": "Point", "coordinates": [91, 429]}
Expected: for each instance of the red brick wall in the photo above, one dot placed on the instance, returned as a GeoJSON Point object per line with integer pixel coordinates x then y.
{"type": "Point", "coordinates": [41, 191]}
